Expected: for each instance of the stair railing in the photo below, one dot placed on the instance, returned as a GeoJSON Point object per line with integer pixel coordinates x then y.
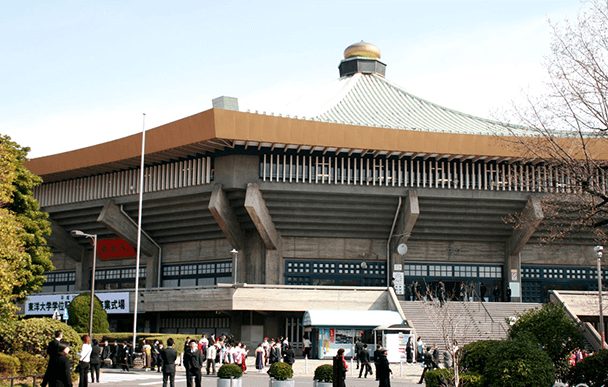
{"type": "Point", "coordinates": [482, 303]}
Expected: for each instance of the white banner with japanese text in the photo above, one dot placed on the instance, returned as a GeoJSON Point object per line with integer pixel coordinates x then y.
{"type": "Point", "coordinates": [47, 304]}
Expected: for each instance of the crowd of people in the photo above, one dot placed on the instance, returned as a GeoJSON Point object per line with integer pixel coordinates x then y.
{"type": "Point", "coordinates": [464, 292]}
{"type": "Point", "coordinates": [210, 352]}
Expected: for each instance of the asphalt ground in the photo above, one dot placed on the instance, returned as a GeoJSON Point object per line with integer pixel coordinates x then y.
{"type": "Point", "coordinates": [406, 375]}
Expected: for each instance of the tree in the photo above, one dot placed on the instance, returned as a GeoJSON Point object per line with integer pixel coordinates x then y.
{"type": "Point", "coordinates": [80, 310]}
{"type": "Point", "coordinates": [519, 362]}
{"type": "Point", "coordinates": [568, 126]}
{"type": "Point", "coordinates": [554, 331]}
{"type": "Point", "coordinates": [24, 256]}
{"type": "Point", "coordinates": [448, 318]}
{"type": "Point", "coordinates": [591, 370]}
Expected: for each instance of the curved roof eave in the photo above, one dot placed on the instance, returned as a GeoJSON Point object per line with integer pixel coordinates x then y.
{"type": "Point", "coordinates": [214, 129]}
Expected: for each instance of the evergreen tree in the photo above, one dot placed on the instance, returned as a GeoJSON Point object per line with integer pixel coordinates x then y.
{"type": "Point", "coordinates": [80, 310]}
{"type": "Point", "coordinates": [24, 256]}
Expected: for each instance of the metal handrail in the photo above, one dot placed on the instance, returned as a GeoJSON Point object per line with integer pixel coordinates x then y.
{"type": "Point", "coordinates": [481, 302]}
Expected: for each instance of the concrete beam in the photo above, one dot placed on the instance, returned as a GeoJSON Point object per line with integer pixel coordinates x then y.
{"type": "Point", "coordinates": [220, 208]}
{"type": "Point", "coordinates": [531, 217]}
{"type": "Point", "coordinates": [256, 207]}
{"type": "Point", "coordinates": [62, 240]}
{"type": "Point", "coordinates": [410, 210]}
{"type": "Point", "coordinates": [112, 218]}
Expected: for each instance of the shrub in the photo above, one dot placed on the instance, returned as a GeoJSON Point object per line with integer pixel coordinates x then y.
{"type": "Point", "coordinates": [476, 354]}
{"type": "Point", "coordinates": [591, 370]}
{"type": "Point", "coordinates": [80, 310]}
{"type": "Point", "coordinates": [280, 371]}
{"type": "Point", "coordinates": [519, 362]}
{"type": "Point", "coordinates": [556, 333]}
{"type": "Point", "coordinates": [9, 365]}
{"type": "Point", "coordinates": [439, 377]}
{"type": "Point", "coordinates": [33, 335]}
{"type": "Point", "coordinates": [31, 364]}
{"type": "Point", "coordinates": [472, 379]}
{"type": "Point", "coordinates": [324, 373]}
{"type": "Point", "coordinates": [228, 371]}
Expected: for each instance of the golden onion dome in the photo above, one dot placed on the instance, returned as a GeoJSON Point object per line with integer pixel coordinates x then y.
{"type": "Point", "coordinates": [362, 49]}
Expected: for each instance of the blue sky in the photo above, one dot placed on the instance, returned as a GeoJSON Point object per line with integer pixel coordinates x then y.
{"type": "Point", "coordinates": [79, 73]}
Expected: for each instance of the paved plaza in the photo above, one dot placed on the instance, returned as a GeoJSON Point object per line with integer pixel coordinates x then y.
{"type": "Point", "coordinates": [406, 375]}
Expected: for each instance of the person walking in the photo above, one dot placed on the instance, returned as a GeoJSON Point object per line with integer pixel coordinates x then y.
{"type": "Point", "coordinates": [429, 364]}
{"type": "Point", "coordinates": [340, 368]}
{"type": "Point", "coordinates": [123, 357]}
{"type": "Point", "coordinates": [307, 344]}
{"type": "Point", "coordinates": [168, 357]}
{"type": "Point", "coordinates": [105, 353]}
{"type": "Point", "coordinates": [496, 294]}
{"type": "Point", "coordinates": [441, 293]}
{"type": "Point", "coordinates": [289, 356]}
{"type": "Point", "coordinates": [384, 370]}
{"type": "Point", "coordinates": [409, 350]}
{"type": "Point", "coordinates": [52, 352]}
{"type": "Point", "coordinates": [358, 349]}
{"type": "Point", "coordinates": [364, 358]}
{"type": "Point", "coordinates": [211, 355]}
{"type": "Point", "coordinates": [84, 361]}
{"type": "Point", "coordinates": [482, 291]}
{"type": "Point", "coordinates": [259, 357]}
{"type": "Point", "coordinates": [61, 370]}
{"type": "Point", "coordinates": [95, 360]}
{"type": "Point", "coordinates": [114, 352]}
{"type": "Point", "coordinates": [377, 354]}
{"type": "Point", "coordinates": [193, 363]}
{"type": "Point", "coordinates": [156, 356]}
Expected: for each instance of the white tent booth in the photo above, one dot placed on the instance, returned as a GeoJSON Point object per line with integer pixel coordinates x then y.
{"type": "Point", "coordinates": [330, 330]}
{"type": "Point", "coordinates": [394, 339]}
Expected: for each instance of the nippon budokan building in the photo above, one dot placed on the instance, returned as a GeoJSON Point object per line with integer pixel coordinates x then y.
{"type": "Point", "coordinates": [338, 204]}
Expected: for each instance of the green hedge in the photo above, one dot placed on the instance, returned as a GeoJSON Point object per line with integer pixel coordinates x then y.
{"type": "Point", "coordinates": [280, 371]}
{"type": "Point", "coordinates": [9, 365]}
{"type": "Point", "coordinates": [33, 335]}
{"type": "Point", "coordinates": [324, 373]}
{"type": "Point", "coordinates": [31, 364]}
{"type": "Point", "coordinates": [227, 371]}
{"type": "Point", "coordinates": [439, 377]}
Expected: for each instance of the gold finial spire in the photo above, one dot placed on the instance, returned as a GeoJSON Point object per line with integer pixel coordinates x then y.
{"type": "Point", "coordinates": [362, 49]}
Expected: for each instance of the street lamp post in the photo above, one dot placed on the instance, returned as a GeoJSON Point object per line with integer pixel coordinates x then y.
{"type": "Point", "coordinates": [599, 252]}
{"type": "Point", "coordinates": [235, 257]}
{"type": "Point", "coordinates": [78, 233]}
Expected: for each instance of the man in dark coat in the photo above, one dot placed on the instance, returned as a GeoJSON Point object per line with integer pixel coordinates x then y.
{"type": "Point", "coordinates": [51, 351]}
{"type": "Point", "coordinates": [105, 353]}
{"type": "Point", "coordinates": [429, 364]}
{"type": "Point", "coordinates": [168, 357]}
{"type": "Point", "coordinates": [364, 358]}
{"type": "Point", "coordinates": [383, 371]}
{"type": "Point", "coordinates": [339, 377]}
{"type": "Point", "coordinates": [377, 354]}
{"type": "Point", "coordinates": [61, 373]}
{"type": "Point", "coordinates": [289, 356]}
{"type": "Point", "coordinates": [155, 356]}
{"type": "Point", "coordinates": [193, 363]}
{"type": "Point", "coordinates": [114, 352]}
{"type": "Point", "coordinates": [358, 349]}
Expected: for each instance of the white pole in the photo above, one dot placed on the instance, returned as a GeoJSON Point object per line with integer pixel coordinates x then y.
{"type": "Point", "coordinates": [92, 285]}
{"type": "Point", "coordinates": [141, 198]}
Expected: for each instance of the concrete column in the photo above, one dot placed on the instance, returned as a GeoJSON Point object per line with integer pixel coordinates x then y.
{"type": "Point", "coordinates": [151, 270]}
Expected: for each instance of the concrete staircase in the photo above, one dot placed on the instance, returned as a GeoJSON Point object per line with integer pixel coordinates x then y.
{"type": "Point", "coordinates": [468, 321]}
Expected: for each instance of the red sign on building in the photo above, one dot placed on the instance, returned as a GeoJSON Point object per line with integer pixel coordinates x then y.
{"type": "Point", "coordinates": [111, 249]}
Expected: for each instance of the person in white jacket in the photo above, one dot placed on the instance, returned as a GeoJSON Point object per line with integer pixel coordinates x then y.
{"type": "Point", "coordinates": [211, 354]}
